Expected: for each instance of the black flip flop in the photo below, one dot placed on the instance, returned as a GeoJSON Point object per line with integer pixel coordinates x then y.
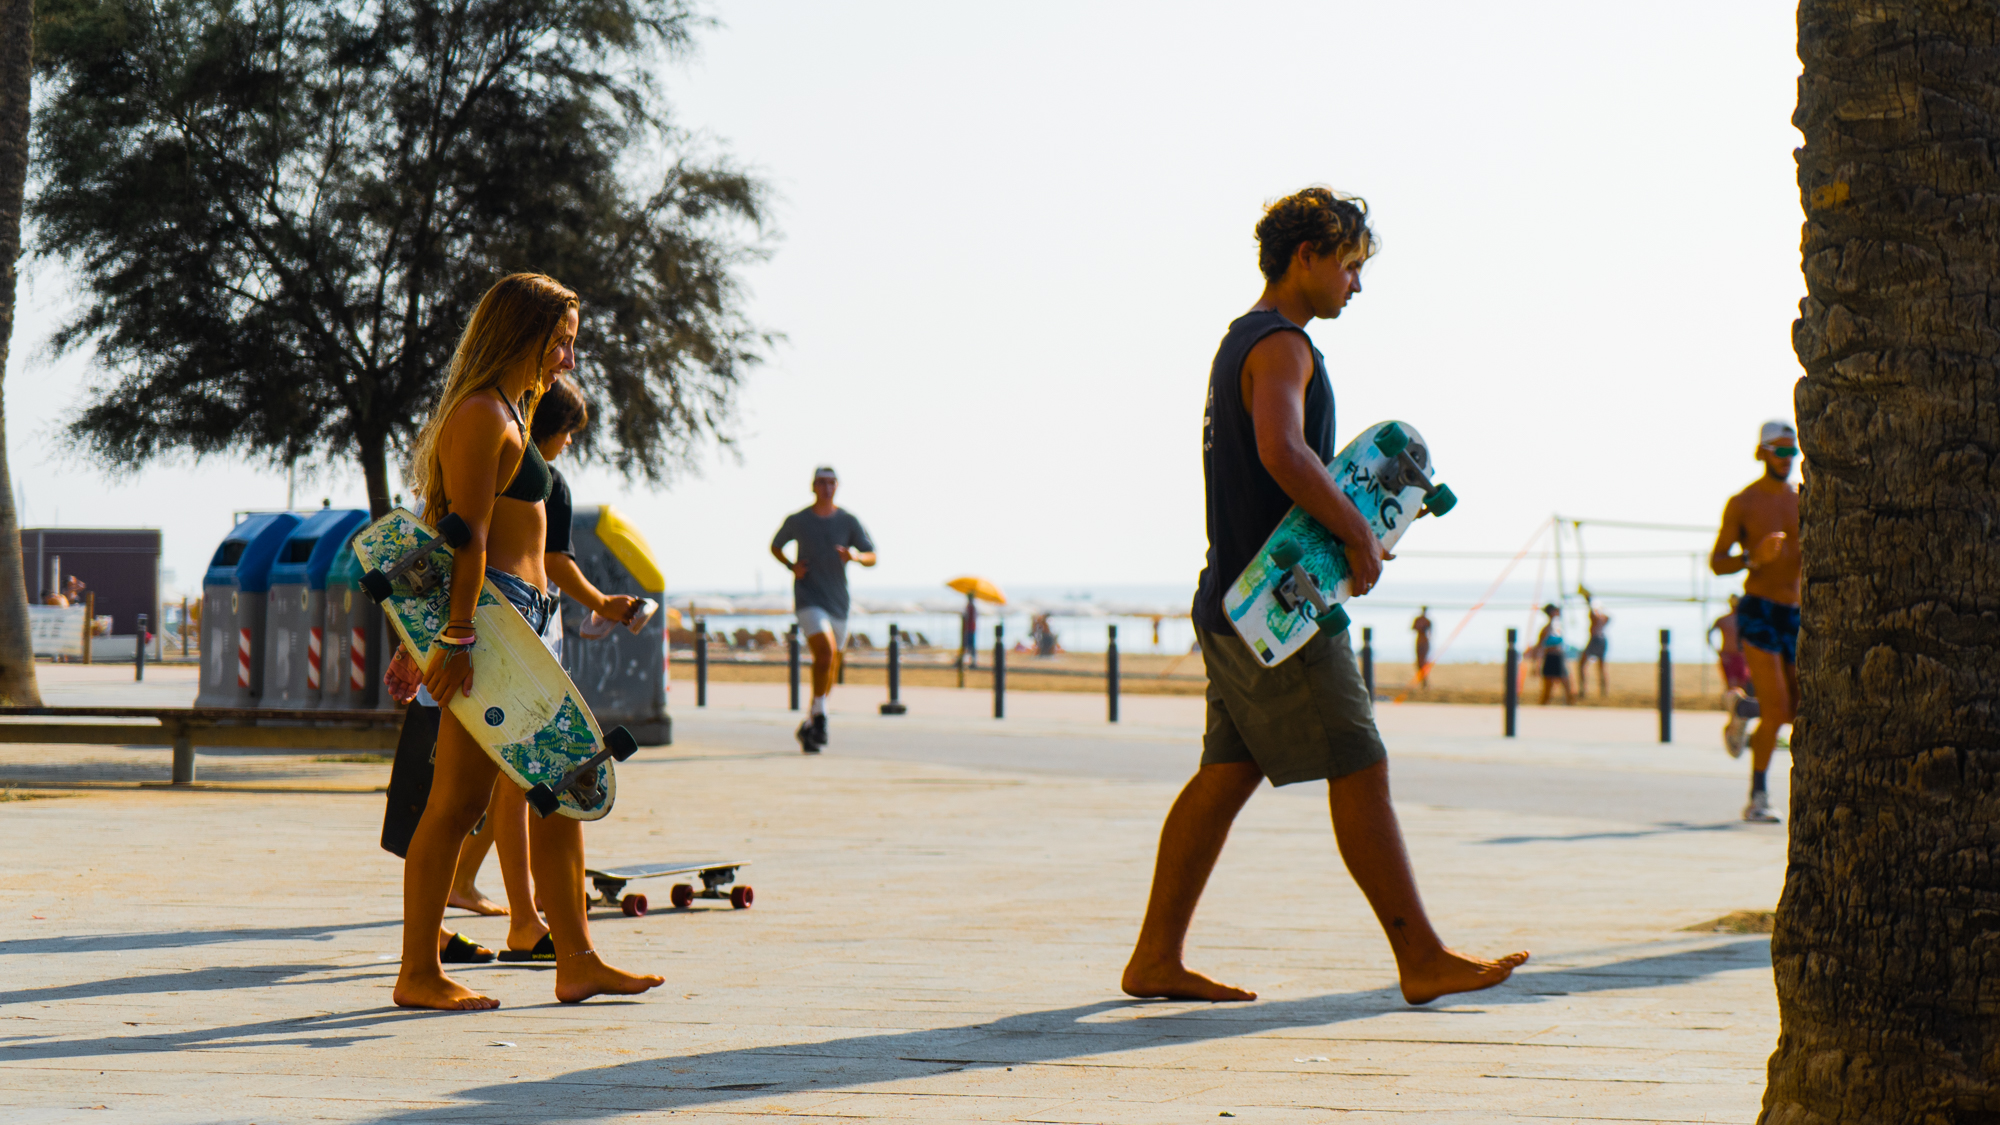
{"type": "Point", "coordinates": [462, 951]}
{"type": "Point", "coordinates": [545, 950]}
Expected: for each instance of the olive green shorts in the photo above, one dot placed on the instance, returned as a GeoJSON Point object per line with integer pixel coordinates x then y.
{"type": "Point", "coordinates": [1307, 719]}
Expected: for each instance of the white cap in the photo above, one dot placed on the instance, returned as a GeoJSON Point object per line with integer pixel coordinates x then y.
{"type": "Point", "coordinates": [825, 472]}
{"type": "Point", "coordinates": [1775, 429]}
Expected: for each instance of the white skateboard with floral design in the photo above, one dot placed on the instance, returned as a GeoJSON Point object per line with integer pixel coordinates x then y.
{"type": "Point", "coordinates": [522, 708]}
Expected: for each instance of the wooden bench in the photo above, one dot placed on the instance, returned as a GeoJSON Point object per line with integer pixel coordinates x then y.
{"type": "Point", "coordinates": [183, 728]}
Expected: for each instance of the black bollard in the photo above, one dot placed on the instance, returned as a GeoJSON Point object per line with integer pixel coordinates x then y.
{"type": "Point", "coordinates": [792, 656]}
{"type": "Point", "coordinates": [139, 651]}
{"type": "Point", "coordinates": [1111, 673]}
{"type": "Point", "coordinates": [895, 704]}
{"type": "Point", "coordinates": [1368, 661]}
{"type": "Point", "coordinates": [999, 672]}
{"type": "Point", "coordinates": [1513, 691]}
{"type": "Point", "coordinates": [700, 662]}
{"type": "Point", "coordinates": [1666, 688]}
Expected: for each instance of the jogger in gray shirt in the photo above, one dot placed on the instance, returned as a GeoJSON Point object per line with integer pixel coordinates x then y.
{"type": "Point", "coordinates": [829, 538]}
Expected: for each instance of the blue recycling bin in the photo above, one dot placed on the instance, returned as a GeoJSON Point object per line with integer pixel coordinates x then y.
{"type": "Point", "coordinates": [233, 594]}
{"type": "Point", "coordinates": [294, 653]}
{"type": "Point", "coordinates": [357, 641]}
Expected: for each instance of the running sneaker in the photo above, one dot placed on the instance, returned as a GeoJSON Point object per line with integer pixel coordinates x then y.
{"type": "Point", "coordinates": [819, 728]}
{"type": "Point", "coordinates": [1736, 732]}
{"type": "Point", "coordinates": [808, 742]}
{"type": "Point", "coordinates": [1758, 811]}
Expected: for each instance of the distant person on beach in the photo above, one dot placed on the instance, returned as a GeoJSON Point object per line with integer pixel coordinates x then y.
{"type": "Point", "coordinates": [1594, 649]}
{"type": "Point", "coordinates": [1267, 434]}
{"type": "Point", "coordinates": [1421, 626]}
{"type": "Point", "coordinates": [829, 538]}
{"type": "Point", "coordinates": [1736, 697]}
{"type": "Point", "coordinates": [1554, 661]}
{"type": "Point", "coordinates": [1763, 520]}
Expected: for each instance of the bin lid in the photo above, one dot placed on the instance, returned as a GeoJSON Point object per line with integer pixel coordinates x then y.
{"type": "Point", "coordinates": [244, 558]}
{"type": "Point", "coordinates": [630, 549]}
{"type": "Point", "coordinates": [309, 550]}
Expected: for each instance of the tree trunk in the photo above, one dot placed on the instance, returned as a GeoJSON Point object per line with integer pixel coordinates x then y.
{"type": "Point", "coordinates": [17, 29]}
{"type": "Point", "coordinates": [1887, 946]}
{"type": "Point", "coordinates": [375, 474]}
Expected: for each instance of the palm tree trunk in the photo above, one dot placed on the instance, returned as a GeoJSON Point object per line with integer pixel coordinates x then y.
{"type": "Point", "coordinates": [1887, 946]}
{"type": "Point", "coordinates": [17, 27]}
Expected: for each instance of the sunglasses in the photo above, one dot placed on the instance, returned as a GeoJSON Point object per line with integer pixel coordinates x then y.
{"type": "Point", "coordinates": [1783, 450]}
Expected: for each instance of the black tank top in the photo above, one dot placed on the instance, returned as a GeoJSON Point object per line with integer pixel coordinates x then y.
{"type": "Point", "coordinates": [1244, 501]}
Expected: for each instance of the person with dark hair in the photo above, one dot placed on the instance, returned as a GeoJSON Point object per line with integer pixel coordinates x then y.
{"type": "Point", "coordinates": [1267, 435]}
{"type": "Point", "coordinates": [1596, 648]}
{"type": "Point", "coordinates": [1763, 521]}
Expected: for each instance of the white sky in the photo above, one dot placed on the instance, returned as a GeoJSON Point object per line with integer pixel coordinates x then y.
{"type": "Point", "coordinates": [1012, 238]}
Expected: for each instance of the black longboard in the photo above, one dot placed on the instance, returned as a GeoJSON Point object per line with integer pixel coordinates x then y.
{"type": "Point", "coordinates": [716, 877]}
{"type": "Point", "coordinates": [410, 778]}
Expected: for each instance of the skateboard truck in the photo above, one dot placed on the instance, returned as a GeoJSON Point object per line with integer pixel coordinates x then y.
{"type": "Point", "coordinates": [1298, 588]}
{"type": "Point", "coordinates": [581, 781]}
{"type": "Point", "coordinates": [420, 570]}
{"type": "Point", "coordinates": [1410, 465]}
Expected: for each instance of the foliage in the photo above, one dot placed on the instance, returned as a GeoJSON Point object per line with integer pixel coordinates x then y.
{"type": "Point", "coordinates": [283, 212]}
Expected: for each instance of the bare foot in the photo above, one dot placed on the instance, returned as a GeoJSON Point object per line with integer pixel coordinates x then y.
{"type": "Point", "coordinates": [440, 992]}
{"type": "Point", "coordinates": [471, 898]}
{"type": "Point", "coordinates": [1177, 983]}
{"type": "Point", "coordinates": [586, 975]}
{"type": "Point", "coordinates": [1449, 971]}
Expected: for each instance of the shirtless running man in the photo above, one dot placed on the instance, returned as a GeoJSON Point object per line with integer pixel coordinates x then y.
{"type": "Point", "coordinates": [1267, 434]}
{"type": "Point", "coordinates": [1763, 520]}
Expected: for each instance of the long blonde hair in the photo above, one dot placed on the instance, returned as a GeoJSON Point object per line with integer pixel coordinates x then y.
{"type": "Point", "coordinates": [514, 324]}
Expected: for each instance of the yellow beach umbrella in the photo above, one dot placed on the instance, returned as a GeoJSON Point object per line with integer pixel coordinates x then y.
{"type": "Point", "coordinates": [978, 588]}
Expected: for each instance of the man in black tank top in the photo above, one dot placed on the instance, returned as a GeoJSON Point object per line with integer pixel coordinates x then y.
{"type": "Point", "coordinates": [1267, 434]}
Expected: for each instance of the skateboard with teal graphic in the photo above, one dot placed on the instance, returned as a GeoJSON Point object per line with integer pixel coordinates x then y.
{"type": "Point", "coordinates": [522, 709]}
{"type": "Point", "coordinates": [1295, 585]}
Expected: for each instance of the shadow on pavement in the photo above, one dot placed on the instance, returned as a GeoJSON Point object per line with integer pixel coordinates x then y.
{"type": "Point", "coordinates": [181, 939]}
{"type": "Point", "coordinates": [1669, 829]}
{"type": "Point", "coordinates": [1067, 1033]}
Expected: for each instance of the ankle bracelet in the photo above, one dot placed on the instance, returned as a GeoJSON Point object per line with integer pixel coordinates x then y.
{"type": "Point", "coordinates": [578, 953]}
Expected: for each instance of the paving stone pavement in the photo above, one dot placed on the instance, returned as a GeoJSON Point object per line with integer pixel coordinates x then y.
{"type": "Point", "coordinates": [933, 939]}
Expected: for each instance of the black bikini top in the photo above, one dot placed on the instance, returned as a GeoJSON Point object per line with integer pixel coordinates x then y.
{"type": "Point", "coordinates": [533, 479]}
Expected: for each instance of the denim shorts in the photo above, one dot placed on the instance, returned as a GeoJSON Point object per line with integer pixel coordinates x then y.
{"type": "Point", "coordinates": [539, 608]}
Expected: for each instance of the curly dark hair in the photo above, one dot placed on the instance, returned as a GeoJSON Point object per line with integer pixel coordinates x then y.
{"type": "Point", "coordinates": [1327, 220]}
{"type": "Point", "coordinates": [562, 410]}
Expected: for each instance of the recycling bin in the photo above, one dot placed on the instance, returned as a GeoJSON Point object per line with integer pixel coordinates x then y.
{"type": "Point", "coordinates": [355, 640]}
{"type": "Point", "coordinates": [233, 596]}
{"type": "Point", "coordinates": [623, 676]}
{"type": "Point", "coordinates": [295, 610]}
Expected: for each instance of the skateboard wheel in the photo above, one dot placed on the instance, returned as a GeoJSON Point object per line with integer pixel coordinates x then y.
{"type": "Point", "coordinates": [634, 906]}
{"type": "Point", "coordinates": [375, 586]}
{"type": "Point", "coordinates": [1441, 500]}
{"type": "Point", "coordinates": [1286, 554]}
{"type": "Point", "coordinates": [1392, 440]}
{"type": "Point", "coordinates": [1335, 619]}
{"type": "Point", "coordinates": [742, 897]}
{"type": "Point", "coordinates": [454, 531]}
{"type": "Point", "coordinates": [621, 743]}
{"type": "Point", "coordinates": [543, 798]}
{"type": "Point", "coordinates": [682, 896]}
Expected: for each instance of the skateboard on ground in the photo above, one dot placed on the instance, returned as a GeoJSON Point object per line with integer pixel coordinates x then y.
{"type": "Point", "coordinates": [522, 709]}
{"type": "Point", "coordinates": [716, 875]}
{"type": "Point", "coordinates": [1300, 576]}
